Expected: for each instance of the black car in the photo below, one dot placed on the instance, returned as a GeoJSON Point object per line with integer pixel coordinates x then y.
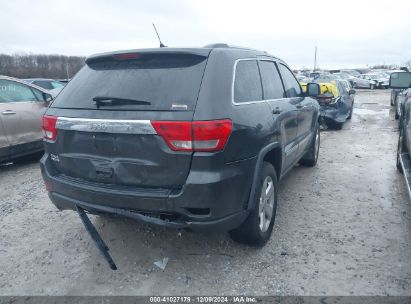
{"type": "Point", "coordinates": [181, 137]}
{"type": "Point", "coordinates": [336, 110]}
{"type": "Point", "coordinates": [402, 80]}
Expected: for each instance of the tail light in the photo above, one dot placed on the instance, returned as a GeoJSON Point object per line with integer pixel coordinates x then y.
{"type": "Point", "coordinates": [209, 136]}
{"type": "Point", "coordinates": [126, 56]}
{"type": "Point", "coordinates": [49, 127]}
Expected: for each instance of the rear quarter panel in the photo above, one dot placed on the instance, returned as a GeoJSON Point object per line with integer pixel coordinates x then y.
{"type": "Point", "coordinates": [252, 123]}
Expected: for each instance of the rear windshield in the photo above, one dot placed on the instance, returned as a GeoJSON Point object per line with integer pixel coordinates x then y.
{"type": "Point", "coordinates": [166, 81]}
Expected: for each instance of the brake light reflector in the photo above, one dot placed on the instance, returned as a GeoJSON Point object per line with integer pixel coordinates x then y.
{"type": "Point", "coordinates": [177, 134]}
{"type": "Point", "coordinates": [126, 56]}
{"type": "Point", "coordinates": [49, 127]}
{"type": "Point", "coordinates": [209, 136]}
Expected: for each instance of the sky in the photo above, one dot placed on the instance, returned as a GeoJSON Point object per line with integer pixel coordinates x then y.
{"type": "Point", "coordinates": [347, 33]}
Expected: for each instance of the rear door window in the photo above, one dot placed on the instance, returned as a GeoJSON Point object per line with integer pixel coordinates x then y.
{"type": "Point", "coordinates": [272, 84]}
{"type": "Point", "coordinates": [292, 87]}
{"type": "Point", "coordinates": [11, 91]}
{"type": "Point", "coordinates": [43, 83]}
{"type": "Point", "coordinates": [161, 79]}
{"type": "Point", "coordinates": [247, 82]}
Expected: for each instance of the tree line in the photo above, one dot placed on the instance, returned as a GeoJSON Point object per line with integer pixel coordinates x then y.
{"type": "Point", "coordinates": [40, 65]}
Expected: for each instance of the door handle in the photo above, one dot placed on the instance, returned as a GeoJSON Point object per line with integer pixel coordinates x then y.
{"type": "Point", "coordinates": [8, 112]}
{"type": "Point", "coordinates": [299, 106]}
{"type": "Point", "coordinates": [277, 111]}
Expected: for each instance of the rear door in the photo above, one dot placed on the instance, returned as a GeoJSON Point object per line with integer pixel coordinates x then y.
{"type": "Point", "coordinates": [116, 141]}
{"type": "Point", "coordinates": [303, 105]}
{"type": "Point", "coordinates": [283, 109]}
{"type": "Point", "coordinates": [21, 108]}
{"type": "Point", "coordinates": [4, 143]}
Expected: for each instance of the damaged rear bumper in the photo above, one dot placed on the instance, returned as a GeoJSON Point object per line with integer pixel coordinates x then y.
{"type": "Point", "coordinates": [218, 196]}
{"type": "Point", "coordinates": [337, 112]}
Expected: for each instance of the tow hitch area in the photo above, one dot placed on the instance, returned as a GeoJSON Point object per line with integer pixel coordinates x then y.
{"type": "Point", "coordinates": [405, 161]}
{"type": "Point", "coordinates": [96, 237]}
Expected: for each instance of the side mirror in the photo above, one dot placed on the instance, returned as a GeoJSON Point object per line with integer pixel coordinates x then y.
{"type": "Point", "coordinates": [400, 80]}
{"type": "Point", "coordinates": [351, 92]}
{"type": "Point", "coordinates": [47, 98]}
{"type": "Point", "coordinates": [313, 89]}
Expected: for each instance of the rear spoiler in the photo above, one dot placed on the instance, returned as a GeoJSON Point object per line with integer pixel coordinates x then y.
{"type": "Point", "coordinates": [141, 53]}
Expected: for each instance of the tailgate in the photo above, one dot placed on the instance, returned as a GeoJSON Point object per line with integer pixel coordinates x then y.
{"type": "Point", "coordinates": [114, 142]}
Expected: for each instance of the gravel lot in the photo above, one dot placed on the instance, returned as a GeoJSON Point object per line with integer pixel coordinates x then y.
{"type": "Point", "coordinates": [342, 228]}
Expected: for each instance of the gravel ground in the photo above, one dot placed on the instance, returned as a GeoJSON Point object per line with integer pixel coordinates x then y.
{"type": "Point", "coordinates": [342, 228]}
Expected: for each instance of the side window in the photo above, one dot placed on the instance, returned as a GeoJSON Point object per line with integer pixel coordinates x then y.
{"type": "Point", "coordinates": [11, 91]}
{"type": "Point", "coordinates": [44, 84]}
{"type": "Point", "coordinates": [272, 85]}
{"type": "Point", "coordinates": [292, 87]}
{"type": "Point", "coordinates": [39, 95]}
{"type": "Point", "coordinates": [247, 82]}
{"type": "Point", "coordinates": [56, 84]}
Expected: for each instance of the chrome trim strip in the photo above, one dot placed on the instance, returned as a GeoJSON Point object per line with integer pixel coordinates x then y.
{"type": "Point", "coordinates": [105, 125]}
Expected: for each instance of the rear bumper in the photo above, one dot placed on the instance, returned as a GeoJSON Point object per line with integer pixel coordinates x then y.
{"type": "Point", "coordinates": [334, 113]}
{"type": "Point", "coordinates": [208, 200]}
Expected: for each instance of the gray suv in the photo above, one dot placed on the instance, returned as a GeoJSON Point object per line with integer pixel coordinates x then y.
{"type": "Point", "coordinates": [193, 138]}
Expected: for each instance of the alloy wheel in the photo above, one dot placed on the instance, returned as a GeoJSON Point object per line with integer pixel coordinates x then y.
{"type": "Point", "coordinates": [266, 205]}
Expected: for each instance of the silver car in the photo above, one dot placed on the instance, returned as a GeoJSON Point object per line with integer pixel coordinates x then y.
{"type": "Point", "coordinates": [21, 109]}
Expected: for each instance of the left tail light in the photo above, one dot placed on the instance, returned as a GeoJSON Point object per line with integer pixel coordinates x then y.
{"type": "Point", "coordinates": [49, 127]}
{"type": "Point", "coordinates": [207, 136]}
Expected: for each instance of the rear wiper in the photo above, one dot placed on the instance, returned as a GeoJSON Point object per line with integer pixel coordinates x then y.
{"type": "Point", "coordinates": [108, 101]}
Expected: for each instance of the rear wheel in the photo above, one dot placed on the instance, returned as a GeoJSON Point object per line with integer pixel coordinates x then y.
{"type": "Point", "coordinates": [257, 228]}
{"type": "Point", "coordinates": [337, 125]}
{"type": "Point", "coordinates": [310, 158]}
{"type": "Point", "coordinates": [352, 109]}
{"type": "Point", "coordinates": [372, 86]}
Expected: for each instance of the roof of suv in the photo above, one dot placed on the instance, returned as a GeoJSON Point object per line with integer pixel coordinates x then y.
{"type": "Point", "coordinates": [202, 51]}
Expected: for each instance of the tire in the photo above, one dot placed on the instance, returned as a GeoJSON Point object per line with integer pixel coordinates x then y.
{"type": "Point", "coordinates": [400, 148]}
{"type": "Point", "coordinates": [393, 97]}
{"type": "Point", "coordinates": [337, 125]}
{"type": "Point", "coordinates": [254, 231]}
{"type": "Point", "coordinates": [352, 110]}
{"type": "Point", "coordinates": [310, 158]}
{"type": "Point", "coordinates": [372, 86]}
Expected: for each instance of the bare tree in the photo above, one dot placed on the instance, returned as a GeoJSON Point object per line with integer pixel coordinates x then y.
{"type": "Point", "coordinates": [40, 65]}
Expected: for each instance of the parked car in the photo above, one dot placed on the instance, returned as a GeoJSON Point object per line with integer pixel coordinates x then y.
{"type": "Point", "coordinates": [382, 79]}
{"type": "Point", "coordinates": [302, 78]}
{"type": "Point", "coordinates": [354, 73]}
{"type": "Point", "coordinates": [332, 77]}
{"type": "Point", "coordinates": [193, 138]}
{"type": "Point", "coordinates": [375, 81]}
{"type": "Point", "coordinates": [48, 84]}
{"type": "Point", "coordinates": [336, 101]}
{"type": "Point", "coordinates": [402, 80]}
{"type": "Point", "coordinates": [21, 106]}
{"type": "Point", "coordinates": [368, 82]}
{"type": "Point", "coordinates": [354, 81]}
{"type": "Point", "coordinates": [394, 92]}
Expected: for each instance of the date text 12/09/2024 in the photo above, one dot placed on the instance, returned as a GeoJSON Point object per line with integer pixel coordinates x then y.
{"type": "Point", "coordinates": [203, 299]}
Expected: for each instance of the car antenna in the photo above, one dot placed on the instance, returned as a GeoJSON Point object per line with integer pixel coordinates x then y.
{"type": "Point", "coordinates": [158, 36]}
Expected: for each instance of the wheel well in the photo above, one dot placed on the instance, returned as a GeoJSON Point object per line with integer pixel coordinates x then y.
{"type": "Point", "coordinates": [274, 157]}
